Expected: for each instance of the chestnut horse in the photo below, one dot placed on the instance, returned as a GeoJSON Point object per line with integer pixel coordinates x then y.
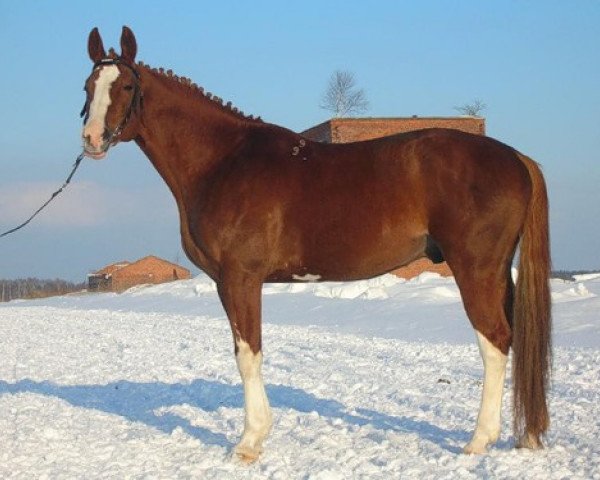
{"type": "Point", "coordinates": [259, 203]}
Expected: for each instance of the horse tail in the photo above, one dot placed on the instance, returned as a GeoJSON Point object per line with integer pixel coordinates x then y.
{"type": "Point", "coordinates": [532, 349]}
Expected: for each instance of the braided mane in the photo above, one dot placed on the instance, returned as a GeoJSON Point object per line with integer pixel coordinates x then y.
{"type": "Point", "coordinates": [194, 88]}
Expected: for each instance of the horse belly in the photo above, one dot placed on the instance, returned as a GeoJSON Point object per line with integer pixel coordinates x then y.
{"type": "Point", "coordinates": [366, 260]}
{"type": "Point", "coordinates": [360, 249]}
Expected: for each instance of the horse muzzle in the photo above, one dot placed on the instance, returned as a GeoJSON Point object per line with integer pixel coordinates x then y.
{"type": "Point", "coordinates": [96, 156]}
{"type": "Point", "coordinates": [91, 151]}
{"type": "Point", "coordinates": [96, 149]}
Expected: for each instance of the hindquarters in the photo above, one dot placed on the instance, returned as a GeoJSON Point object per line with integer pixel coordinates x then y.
{"type": "Point", "coordinates": [478, 192]}
{"type": "Point", "coordinates": [490, 199]}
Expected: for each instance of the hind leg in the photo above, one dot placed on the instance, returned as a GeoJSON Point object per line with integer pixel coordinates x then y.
{"type": "Point", "coordinates": [485, 297]}
{"type": "Point", "coordinates": [489, 418]}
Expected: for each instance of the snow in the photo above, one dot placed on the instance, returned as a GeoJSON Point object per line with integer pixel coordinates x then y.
{"type": "Point", "coordinates": [372, 379]}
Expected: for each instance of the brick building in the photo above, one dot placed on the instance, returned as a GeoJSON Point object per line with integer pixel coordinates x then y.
{"type": "Point", "coordinates": [120, 276]}
{"type": "Point", "coordinates": [345, 130]}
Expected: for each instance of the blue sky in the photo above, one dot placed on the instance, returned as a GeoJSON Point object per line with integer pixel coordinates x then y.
{"type": "Point", "coordinates": [535, 64]}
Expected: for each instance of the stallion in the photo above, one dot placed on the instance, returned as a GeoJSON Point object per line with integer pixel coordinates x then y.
{"type": "Point", "coordinates": [259, 203]}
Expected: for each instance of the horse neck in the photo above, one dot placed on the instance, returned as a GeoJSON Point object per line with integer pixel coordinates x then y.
{"type": "Point", "coordinates": [183, 133]}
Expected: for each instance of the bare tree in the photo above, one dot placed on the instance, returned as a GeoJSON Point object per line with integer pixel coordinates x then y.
{"type": "Point", "coordinates": [342, 98]}
{"type": "Point", "coordinates": [472, 109]}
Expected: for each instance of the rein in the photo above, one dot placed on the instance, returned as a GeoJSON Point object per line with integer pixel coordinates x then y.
{"type": "Point", "coordinates": [54, 195]}
{"type": "Point", "coordinates": [136, 100]}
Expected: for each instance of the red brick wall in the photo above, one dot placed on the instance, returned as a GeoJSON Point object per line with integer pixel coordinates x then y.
{"type": "Point", "coordinates": [423, 265]}
{"type": "Point", "coordinates": [344, 130]}
{"type": "Point", "coordinates": [355, 129]}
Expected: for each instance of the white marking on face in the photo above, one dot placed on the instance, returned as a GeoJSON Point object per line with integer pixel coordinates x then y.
{"type": "Point", "coordinates": [307, 278]}
{"type": "Point", "coordinates": [258, 413]}
{"type": "Point", "coordinates": [94, 127]}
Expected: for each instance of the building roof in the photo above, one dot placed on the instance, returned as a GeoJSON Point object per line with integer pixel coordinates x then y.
{"type": "Point", "coordinates": [157, 259]}
{"type": "Point", "coordinates": [112, 268]}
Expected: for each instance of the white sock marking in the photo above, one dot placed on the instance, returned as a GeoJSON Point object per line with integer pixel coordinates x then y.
{"type": "Point", "coordinates": [488, 421]}
{"type": "Point", "coordinates": [258, 413]}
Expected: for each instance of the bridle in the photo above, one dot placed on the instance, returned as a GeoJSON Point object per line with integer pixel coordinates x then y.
{"type": "Point", "coordinates": [134, 104]}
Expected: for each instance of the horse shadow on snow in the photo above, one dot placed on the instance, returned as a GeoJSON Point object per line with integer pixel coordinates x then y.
{"type": "Point", "coordinates": [141, 402]}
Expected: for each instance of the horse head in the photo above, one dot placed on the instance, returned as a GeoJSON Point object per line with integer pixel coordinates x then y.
{"type": "Point", "coordinates": [113, 95]}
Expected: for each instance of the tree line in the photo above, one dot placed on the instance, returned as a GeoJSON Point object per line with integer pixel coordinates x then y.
{"type": "Point", "coordinates": [570, 274]}
{"type": "Point", "coordinates": [28, 288]}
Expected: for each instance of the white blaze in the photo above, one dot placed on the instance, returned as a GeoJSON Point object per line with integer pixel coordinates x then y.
{"type": "Point", "coordinates": [94, 127]}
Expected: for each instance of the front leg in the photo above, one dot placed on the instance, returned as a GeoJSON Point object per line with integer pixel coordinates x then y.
{"type": "Point", "coordinates": [241, 298]}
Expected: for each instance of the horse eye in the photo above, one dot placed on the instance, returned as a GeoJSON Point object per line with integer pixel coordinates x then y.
{"type": "Point", "coordinates": [128, 87]}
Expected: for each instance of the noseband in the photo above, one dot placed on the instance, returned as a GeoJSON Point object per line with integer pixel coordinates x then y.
{"type": "Point", "coordinates": [136, 99]}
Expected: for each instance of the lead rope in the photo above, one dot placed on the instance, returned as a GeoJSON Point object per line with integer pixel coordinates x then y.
{"type": "Point", "coordinates": [54, 195]}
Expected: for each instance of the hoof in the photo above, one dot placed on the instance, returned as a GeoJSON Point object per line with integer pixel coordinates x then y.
{"type": "Point", "coordinates": [475, 448]}
{"type": "Point", "coordinates": [247, 454]}
{"type": "Point", "coordinates": [480, 441]}
{"type": "Point", "coordinates": [530, 441]}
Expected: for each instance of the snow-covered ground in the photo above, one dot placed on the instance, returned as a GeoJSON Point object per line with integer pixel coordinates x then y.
{"type": "Point", "coordinates": [374, 379]}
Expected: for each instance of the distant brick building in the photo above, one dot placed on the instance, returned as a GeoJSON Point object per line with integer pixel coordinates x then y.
{"type": "Point", "coordinates": [345, 130]}
{"type": "Point", "coordinates": [120, 276]}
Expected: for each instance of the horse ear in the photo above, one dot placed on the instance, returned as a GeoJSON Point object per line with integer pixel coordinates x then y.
{"type": "Point", "coordinates": [128, 45]}
{"type": "Point", "coordinates": [95, 46]}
